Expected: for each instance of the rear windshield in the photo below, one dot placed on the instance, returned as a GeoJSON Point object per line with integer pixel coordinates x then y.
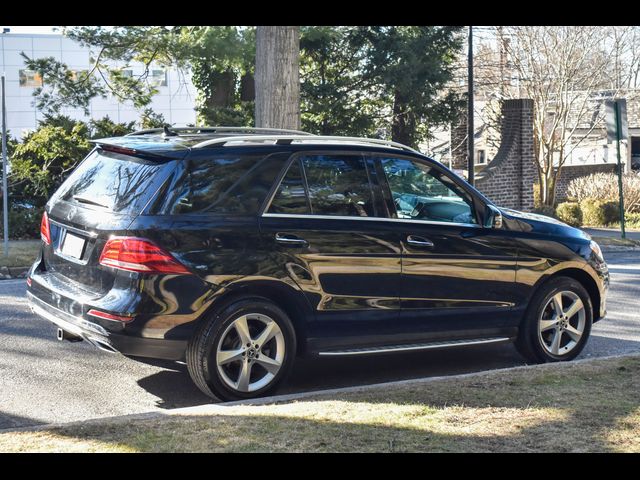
{"type": "Point", "coordinates": [112, 181]}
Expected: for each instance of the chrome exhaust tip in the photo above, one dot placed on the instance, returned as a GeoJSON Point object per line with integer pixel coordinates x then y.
{"type": "Point", "coordinates": [63, 335]}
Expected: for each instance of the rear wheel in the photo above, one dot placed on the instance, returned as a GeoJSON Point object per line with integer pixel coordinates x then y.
{"type": "Point", "coordinates": [245, 351]}
{"type": "Point", "coordinates": [557, 323]}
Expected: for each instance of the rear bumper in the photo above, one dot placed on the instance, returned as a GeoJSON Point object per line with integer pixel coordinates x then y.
{"type": "Point", "coordinates": [105, 340]}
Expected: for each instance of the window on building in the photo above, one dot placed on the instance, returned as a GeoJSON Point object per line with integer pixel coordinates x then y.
{"type": "Point", "coordinates": [29, 78]}
{"type": "Point", "coordinates": [158, 78]}
{"type": "Point", "coordinates": [481, 156]}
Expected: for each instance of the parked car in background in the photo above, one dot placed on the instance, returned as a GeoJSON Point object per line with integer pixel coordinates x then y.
{"type": "Point", "coordinates": [239, 250]}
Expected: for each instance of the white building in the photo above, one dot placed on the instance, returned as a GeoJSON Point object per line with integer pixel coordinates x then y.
{"type": "Point", "coordinates": [175, 100]}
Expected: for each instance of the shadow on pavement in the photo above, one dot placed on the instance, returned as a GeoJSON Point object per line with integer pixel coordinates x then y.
{"type": "Point", "coordinates": [175, 388]}
{"type": "Point", "coordinates": [16, 421]}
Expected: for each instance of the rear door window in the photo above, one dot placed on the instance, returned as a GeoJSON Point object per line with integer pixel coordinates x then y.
{"type": "Point", "coordinates": [339, 185]}
{"type": "Point", "coordinates": [327, 184]}
{"type": "Point", "coordinates": [291, 196]}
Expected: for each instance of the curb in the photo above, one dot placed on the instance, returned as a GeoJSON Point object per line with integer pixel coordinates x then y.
{"type": "Point", "coordinates": [220, 408]}
{"type": "Point", "coordinates": [7, 273]}
{"type": "Point", "coordinates": [618, 249]}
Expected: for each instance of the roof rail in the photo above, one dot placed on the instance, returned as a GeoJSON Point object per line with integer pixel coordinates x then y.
{"type": "Point", "coordinates": [288, 139]}
{"type": "Point", "coordinates": [218, 129]}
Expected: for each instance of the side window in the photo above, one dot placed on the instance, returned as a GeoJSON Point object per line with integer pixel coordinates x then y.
{"type": "Point", "coordinates": [338, 185]}
{"type": "Point", "coordinates": [291, 196]}
{"type": "Point", "coordinates": [228, 184]}
{"type": "Point", "coordinates": [422, 192]}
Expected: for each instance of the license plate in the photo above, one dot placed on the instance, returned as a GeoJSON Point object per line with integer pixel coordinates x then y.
{"type": "Point", "coordinates": [72, 246]}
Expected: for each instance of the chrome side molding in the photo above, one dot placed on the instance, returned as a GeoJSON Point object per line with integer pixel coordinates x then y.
{"type": "Point", "coordinates": [415, 346]}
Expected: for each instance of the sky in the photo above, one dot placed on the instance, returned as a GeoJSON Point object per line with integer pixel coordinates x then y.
{"type": "Point", "coordinates": [25, 29]}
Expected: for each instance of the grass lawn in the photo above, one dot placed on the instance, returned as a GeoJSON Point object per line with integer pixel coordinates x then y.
{"type": "Point", "coordinates": [581, 407]}
{"type": "Point", "coordinates": [22, 253]}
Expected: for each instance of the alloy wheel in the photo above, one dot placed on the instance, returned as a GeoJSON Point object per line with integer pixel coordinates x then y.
{"type": "Point", "coordinates": [562, 323]}
{"type": "Point", "coordinates": [250, 352]}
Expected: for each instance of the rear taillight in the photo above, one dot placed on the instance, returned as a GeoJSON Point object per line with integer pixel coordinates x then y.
{"type": "Point", "coordinates": [139, 255]}
{"type": "Point", "coordinates": [45, 230]}
{"type": "Point", "coordinates": [109, 316]}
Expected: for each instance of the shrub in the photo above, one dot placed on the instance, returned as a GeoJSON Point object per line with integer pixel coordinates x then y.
{"type": "Point", "coordinates": [537, 203]}
{"type": "Point", "coordinates": [151, 119]}
{"type": "Point", "coordinates": [547, 210]}
{"type": "Point", "coordinates": [45, 158]}
{"type": "Point", "coordinates": [593, 212]}
{"type": "Point", "coordinates": [632, 220]}
{"type": "Point", "coordinates": [24, 223]}
{"type": "Point", "coordinates": [570, 213]}
{"type": "Point", "coordinates": [105, 127]}
{"type": "Point", "coordinates": [611, 212]}
{"type": "Point", "coordinates": [604, 187]}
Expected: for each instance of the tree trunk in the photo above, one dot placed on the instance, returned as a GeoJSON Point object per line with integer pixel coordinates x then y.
{"type": "Point", "coordinates": [277, 77]}
{"type": "Point", "coordinates": [247, 88]}
{"type": "Point", "coordinates": [222, 89]}
{"type": "Point", "coordinates": [403, 128]}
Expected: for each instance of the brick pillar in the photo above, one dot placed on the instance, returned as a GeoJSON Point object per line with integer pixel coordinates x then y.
{"type": "Point", "coordinates": [528, 171]}
{"type": "Point", "coordinates": [509, 177]}
{"type": "Point", "coordinates": [459, 143]}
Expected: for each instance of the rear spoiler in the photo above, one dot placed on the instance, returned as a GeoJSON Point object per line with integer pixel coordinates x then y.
{"type": "Point", "coordinates": [151, 151]}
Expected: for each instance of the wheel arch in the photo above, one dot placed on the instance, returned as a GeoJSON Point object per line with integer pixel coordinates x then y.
{"type": "Point", "coordinates": [286, 297]}
{"type": "Point", "coordinates": [581, 277]}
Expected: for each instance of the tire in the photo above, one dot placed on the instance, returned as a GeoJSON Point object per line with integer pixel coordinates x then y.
{"type": "Point", "coordinates": [220, 340]}
{"type": "Point", "coordinates": [536, 340]}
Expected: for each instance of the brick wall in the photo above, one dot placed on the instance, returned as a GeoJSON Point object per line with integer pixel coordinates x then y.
{"type": "Point", "coordinates": [569, 172]}
{"type": "Point", "coordinates": [509, 177]}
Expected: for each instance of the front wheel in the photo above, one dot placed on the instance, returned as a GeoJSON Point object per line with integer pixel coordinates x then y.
{"type": "Point", "coordinates": [557, 323]}
{"type": "Point", "coordinates": [244, 351]}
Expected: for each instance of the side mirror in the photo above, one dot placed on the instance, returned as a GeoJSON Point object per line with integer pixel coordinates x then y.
{"type": "Point", "coordinates": [494, 217]}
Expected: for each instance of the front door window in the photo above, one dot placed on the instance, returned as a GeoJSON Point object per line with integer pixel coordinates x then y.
{"type": "Point", "coordinates": [422, 192]}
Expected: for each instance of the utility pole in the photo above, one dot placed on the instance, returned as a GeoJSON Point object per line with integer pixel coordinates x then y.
{"type": "Point", "coordinates": [5, 209]}
{"type": "Point", "coordinates": [616, 106]}
{"type": "Point", "coordinates": [471, 146]}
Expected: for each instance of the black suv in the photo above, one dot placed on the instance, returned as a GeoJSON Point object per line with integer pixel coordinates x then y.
{"type": "Point", "coordinates": [237, 250]}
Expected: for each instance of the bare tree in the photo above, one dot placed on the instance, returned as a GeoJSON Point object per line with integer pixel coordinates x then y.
{"type": "Point", "coordinates": [566, 71]}
{"type": "Point", "coordinates": [277, 80]}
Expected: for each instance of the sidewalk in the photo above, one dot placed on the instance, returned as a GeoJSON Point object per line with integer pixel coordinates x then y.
{"type": "Point", "coordinates": [612, 232]}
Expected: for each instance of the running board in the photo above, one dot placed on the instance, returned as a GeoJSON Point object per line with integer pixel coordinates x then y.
{"type": "Point", "coordinates": [414, 346]}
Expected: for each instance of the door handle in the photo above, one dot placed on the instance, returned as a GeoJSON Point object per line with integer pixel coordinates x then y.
{"type": "Point", "coordinates": [291, 240]}
{"type": "Point", "coordinates": [417, 241]}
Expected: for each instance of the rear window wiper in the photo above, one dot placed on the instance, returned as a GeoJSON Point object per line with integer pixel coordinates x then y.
{"type": "Point", "coordinates": [81, 199]}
